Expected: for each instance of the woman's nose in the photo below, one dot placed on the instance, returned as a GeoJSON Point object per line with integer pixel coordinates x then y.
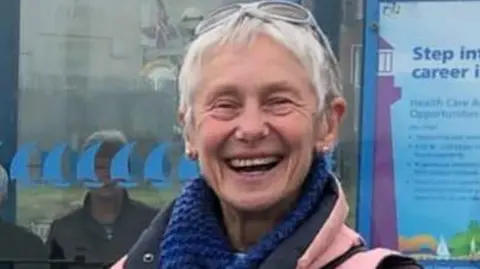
{"type": "Point", "coordinates": [251, 125]}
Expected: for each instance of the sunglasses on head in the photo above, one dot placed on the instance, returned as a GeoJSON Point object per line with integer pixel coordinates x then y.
{"type": "Point", "coordinates": [277, 10]}
{"type": "Point", "coordinates": [269, 10]}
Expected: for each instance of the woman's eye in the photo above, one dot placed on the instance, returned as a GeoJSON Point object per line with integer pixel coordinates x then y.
{"type": "Point", "coordinates": [224, 105]}
{"type": "Point", "coordinates": [225, 110]}
{"type": "Point", "coordinates": [281, 101]}
{"type": "Point", "coordinates": [280, 106]}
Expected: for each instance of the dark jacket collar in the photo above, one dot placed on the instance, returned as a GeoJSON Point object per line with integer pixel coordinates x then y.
{"type": "Point", "coordinates": [284, 257]}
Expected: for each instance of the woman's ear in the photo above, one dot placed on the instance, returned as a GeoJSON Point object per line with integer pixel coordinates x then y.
{"type": "Point", "coordinates": [190, 150]}
{"type": "Point", "coordinates": [181, 118]}
{"type": "Point", "coordinates": [327, 129]}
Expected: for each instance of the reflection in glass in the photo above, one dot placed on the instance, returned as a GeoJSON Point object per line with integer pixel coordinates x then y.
{"type": "Point", "coordinates": [109, 221]}
{"type": "Point", "coordinates": [190, 18]}
{"type": "Point", "coordinates": [95, 65]}
{"type": "Point", "coordinates": [112, 64]}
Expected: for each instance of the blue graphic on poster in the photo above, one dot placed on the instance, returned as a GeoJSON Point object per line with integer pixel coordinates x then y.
{"type": "Point", "coordinates": [429, 86]}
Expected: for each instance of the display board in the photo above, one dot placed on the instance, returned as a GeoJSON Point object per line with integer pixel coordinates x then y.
{"type": "Point", "coordinates": [420, 155]}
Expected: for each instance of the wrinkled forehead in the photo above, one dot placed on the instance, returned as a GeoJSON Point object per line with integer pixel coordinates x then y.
{"type": "Point", "coordinates": [296, 41]}
{"type": "Point", "coordinates": [264, 64]}
{"type": "Point", "coordinates": [241, 39]}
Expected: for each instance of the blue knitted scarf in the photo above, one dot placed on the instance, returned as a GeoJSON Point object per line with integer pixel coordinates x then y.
{"type": "Point", "coordinates": [194, 237]}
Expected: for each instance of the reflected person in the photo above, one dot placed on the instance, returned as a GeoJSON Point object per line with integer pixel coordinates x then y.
{"type": "Point", "coordinates": [261, 104]}
{"type": "Point", "coordinates": [109, 221]}
{"type": "Point", "coordinates": [18, 243]}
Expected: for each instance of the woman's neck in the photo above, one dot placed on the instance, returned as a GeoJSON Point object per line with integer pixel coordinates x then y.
{"type": "Point", "coordinates": [245, 229]}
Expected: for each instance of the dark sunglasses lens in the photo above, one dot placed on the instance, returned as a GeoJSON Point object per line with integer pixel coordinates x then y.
{"type": "Point", "coordinates": [215, 17]}
{"type": "Point", "coordinates": [285, 10]}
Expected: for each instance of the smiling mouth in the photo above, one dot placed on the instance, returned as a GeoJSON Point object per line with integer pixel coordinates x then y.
{"type": "Point", "coordinates": [252, 165]}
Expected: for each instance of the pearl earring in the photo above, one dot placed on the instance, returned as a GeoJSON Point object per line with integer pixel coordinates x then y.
{"type": "Point", "coordinates": [192, 155]}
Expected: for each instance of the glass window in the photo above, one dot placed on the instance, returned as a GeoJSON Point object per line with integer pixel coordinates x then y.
{"type": "Point", "coordinates": [346, 34]}
{"type": "Point", "coordinates": [99, 71]}
{"type": "Point", "coordinates": [97, 90]}
{"type": "Point", "coordinates": [350, 57]}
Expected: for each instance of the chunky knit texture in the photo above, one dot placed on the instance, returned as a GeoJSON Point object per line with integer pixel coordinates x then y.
{"type": "Point", "coordinates": [194, 237]}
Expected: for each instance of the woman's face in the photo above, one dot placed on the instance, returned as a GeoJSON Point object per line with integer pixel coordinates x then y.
{"type": "Point", "coordinates": [255, 124]}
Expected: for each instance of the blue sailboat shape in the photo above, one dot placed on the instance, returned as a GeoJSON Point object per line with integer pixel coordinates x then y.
{"type": "Point", "coordinates": [52, 169]}
{"type": "Point", "coordinates": [120, 168]}
{"type": "Point", "coordinates": [153, 168]}
{"type": "Point", "coordinates": [86, 167]}
{"type": "Point", "coordinates": [19, 170]}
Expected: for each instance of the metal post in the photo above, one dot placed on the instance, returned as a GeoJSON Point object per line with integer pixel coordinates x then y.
{"type": "Point", "coordinates": [9, 59]}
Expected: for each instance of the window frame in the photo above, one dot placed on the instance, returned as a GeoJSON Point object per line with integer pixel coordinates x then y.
{"type": "Point", "coordinates": [9, 68]}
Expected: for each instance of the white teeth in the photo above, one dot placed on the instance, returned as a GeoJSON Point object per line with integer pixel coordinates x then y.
{"type": "Point", "coordinates": [252, 162]}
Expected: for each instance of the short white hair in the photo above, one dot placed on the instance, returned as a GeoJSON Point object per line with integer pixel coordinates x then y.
{"type": "Point", "coordinates": [317, 58]}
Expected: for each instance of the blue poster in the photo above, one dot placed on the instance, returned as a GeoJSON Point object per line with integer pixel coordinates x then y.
{"type": "Point", "coordinates": [426, 154]}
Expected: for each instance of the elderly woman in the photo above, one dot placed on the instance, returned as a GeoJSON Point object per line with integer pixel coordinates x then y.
{"type": "Point", "coordinates": [260, 104]}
